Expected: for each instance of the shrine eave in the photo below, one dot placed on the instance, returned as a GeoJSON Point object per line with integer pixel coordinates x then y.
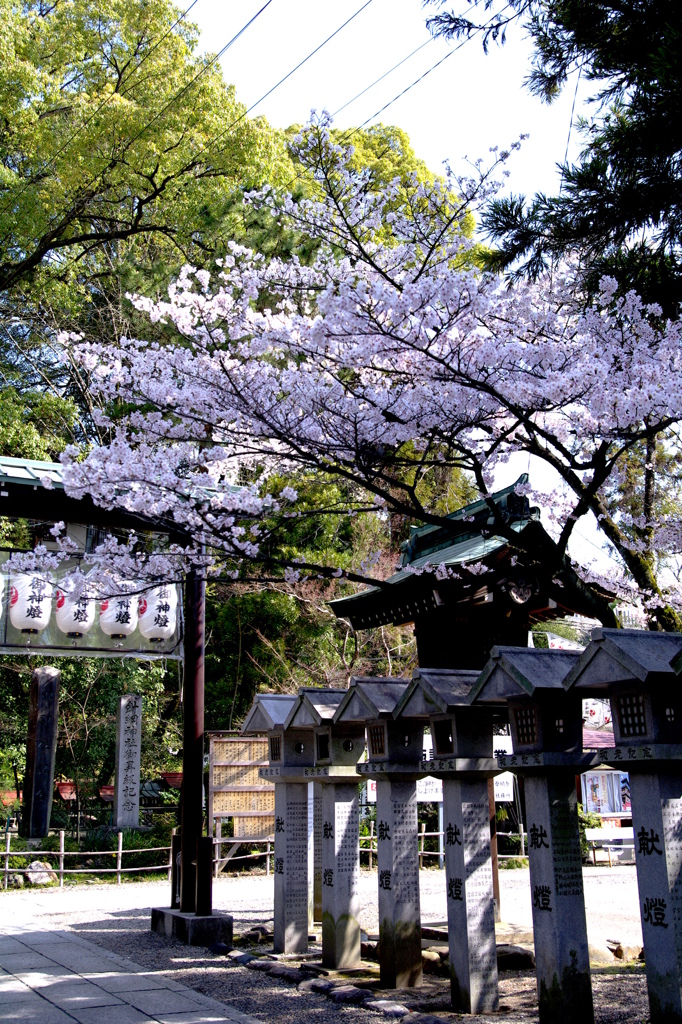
{"type": "Point", "coordinates": [407, 595]}
{"type": "Point", "coordinates": [23, 496]}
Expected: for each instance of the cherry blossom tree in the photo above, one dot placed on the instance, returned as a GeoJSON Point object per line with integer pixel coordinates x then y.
{"type": "Point", "coordinates": [388, 356]}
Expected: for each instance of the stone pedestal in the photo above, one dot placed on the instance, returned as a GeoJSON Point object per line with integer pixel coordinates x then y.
{"type": "Point", "coordinates": [192, 929]}
{"type": "Point", "coordinates": [657, 823]}
{"type": "Point", "coordinates": [291, 867]}
{"type": "Point", "coordinates": [340, 876]}
{"type": "Point", "coordinates": [556, 882]}
{"type": "Point", "coordinates": [41, 749]}
{"type": "Point", "coordinates": [398, 868]}
{"type": "Point", "coordinates": [127, 772]}
{"type": "Point", "coordinates": [470, 902]}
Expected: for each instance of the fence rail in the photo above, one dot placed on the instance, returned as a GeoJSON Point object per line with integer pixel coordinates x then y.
{"type": "Point", "coordinates": [218, 860]}
{"type": "Point", "coordinates": [61, 854]}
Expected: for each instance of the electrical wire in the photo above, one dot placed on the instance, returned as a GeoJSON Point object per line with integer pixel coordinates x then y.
{"type": "Point", "coordinates": [33, 180]}
{"type": "Point", "coordinates": [216, 57]}
{"type": "Point", "coordinates": [288, 75]}
{"type": "Point", "coordinates": [570, 127]}
{"type": "Point", "coordinates": [385, 75]}
{"type": "Point", "coordinates": [429, 70]}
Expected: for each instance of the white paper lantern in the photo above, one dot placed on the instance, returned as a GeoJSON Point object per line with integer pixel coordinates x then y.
{"type": "Point", "coordinates": [118, 615]}
{"type": "Point", "coordinates": [30, 602]}
{"type": "Point", "coordinates": [158, 613]}
{"type": "Point", "coordinates": [74, 615]}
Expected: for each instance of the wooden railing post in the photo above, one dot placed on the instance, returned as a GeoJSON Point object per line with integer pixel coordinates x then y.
{"type": "Point", "coordinates": [170, 856]}
{"type": "Point", "coordinates": [119, 858]}
{"type": "Point", "coordinates": [61, 858]}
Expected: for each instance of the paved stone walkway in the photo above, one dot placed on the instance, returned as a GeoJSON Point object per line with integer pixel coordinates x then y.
{"type": "Point", "coordinates": [55, 977]}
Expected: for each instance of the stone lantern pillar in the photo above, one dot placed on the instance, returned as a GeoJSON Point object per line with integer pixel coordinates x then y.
{"type": "Point", "coordinates": [395, 750]}
{"type": "Point", "coordinates": [337, 748]}
{"type": "Point", "coordinates": [546, 729]}
{"type": "Point", "coordinates": [638, 671]}
{"type": "Point", "coordinates": [463, 758]}
{"type": "Point", "coordinates": [291, 755]}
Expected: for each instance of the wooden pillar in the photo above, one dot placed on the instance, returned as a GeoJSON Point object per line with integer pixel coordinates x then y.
{"type": "Point", "coordinates": [193, 737]}
{"type": "Point", "coordinates": [41, 749]}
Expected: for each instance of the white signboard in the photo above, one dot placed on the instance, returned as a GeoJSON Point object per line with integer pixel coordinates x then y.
{"type": "Point", "coordinates": [504, 788]}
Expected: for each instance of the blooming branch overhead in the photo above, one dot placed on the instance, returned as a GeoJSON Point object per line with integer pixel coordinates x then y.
{"type": "Point", "coordinates": [390, 354]}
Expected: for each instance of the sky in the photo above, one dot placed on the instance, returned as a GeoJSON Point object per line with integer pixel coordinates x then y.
{"type": "Point", "coordinates": [465, 106]}
{"type": "Point", "coordinates": [468, 104]}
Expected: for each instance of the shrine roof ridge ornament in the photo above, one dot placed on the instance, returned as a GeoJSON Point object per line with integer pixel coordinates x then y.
{"type": "Point", "coordinates": [436, 691]}
{"type": "Point", "coordinates": [521, 671]}
{"type": "Point", "coordinates": [467, 523]}
{"type": "Point", "coordinates": [313, 707]}
{"type": "Point", "coordinates": [268, 711]}
{"type": "Point", "coordinates": [369, 698]}
{"type": "Point", "coordinates": [625, 656]}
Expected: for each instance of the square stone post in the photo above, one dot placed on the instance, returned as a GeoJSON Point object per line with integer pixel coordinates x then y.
{"type": "Point", "coordinates": [291, 867]}
{"type": "Point", "coordinates": [470, 899]}
{"type": "Point", "coordinates": [657, 823]}
{"type": "Point", "coordinates": [398, 867]}
{"type": "Point", "coordinates": [340, 876]}
{"type": "Point", "coordinates": [556, 882]}
{"type": "Point", "coordinates": [41, 750]}
{"type": "Point", "coordinates": [127, 771]}
{"type": "Point", "coordinates": [317, 855]}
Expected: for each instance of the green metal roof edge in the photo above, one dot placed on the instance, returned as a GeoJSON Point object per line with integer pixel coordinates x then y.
{"type": "Point", "coordinates": [36, 467]}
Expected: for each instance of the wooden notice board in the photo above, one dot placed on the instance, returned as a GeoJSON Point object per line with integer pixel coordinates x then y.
{"type": "Point", "coordinates": [235, 790]}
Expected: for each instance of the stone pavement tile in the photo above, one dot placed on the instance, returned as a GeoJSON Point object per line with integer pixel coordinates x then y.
{"type": "Point", "coordinates": [81, 961]}
{"type": "Point", "coordinates": [203, 1017]}
{"type": "Point", "coordinates": [78, 994]}
{"type": "Point", "coordinates": [45, 976]}
{"type": "Point", "coordinates": [162, 1000]}
{"type": "Point", "coordinates": [26, 961]}
{"type": "Point", "coordinates": [11, 945]}
{"type": "Point", "coordinates": [111, 1015]}
{"type": "Point", "coordinates": [45, 1014]}
{"type": "Point", "coordinates": [125, 982]}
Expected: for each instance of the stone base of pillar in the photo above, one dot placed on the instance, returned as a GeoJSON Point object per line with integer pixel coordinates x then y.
{"type": "Point", "coordinates": [657, 822]}
{"type": "Point", "coordinates": [193, 930]}
{"type": "Point", "coordinates": [341, 937]}
{"type": "Point", "coordinates": [556, 882]}
{"type": "Point", "coordinates": [469, 885]}
{"type": "Point", "coordinates": [400, 948]}
{"type": "Point", "coordinates": [291, 867]}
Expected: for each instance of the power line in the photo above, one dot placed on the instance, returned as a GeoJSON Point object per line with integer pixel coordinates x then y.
{"type": "Point", "coordinates": [385, 75]}
{"type": "Point", "coordinates": [570, 126]}
{"type": "Point", "coordinates": [203, 71]}
{"type": "Point", "coordinates": [95, 112]}
{"type": "Point", "coordinates": [428, 72]}
{"type": "Point", "coordinates": [289, 74]}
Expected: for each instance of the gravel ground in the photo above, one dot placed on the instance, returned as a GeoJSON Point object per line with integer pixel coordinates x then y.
{"type": "Point", "coordinates": [118, 919]}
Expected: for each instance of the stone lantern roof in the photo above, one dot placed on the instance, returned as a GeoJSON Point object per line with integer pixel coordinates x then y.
{"type": "Point", "coordinates": [617, 656]}
{"type": "Point", "coordinates": [436, 691]}
{"type": "Point", "coordinates": [269, 711]}
{"type": "Point", "coordinates": [522, 672]}
{"type": "Point", "coordinates": [314, 707]}
{"type": "Point", "coordinates": [370, 699]}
